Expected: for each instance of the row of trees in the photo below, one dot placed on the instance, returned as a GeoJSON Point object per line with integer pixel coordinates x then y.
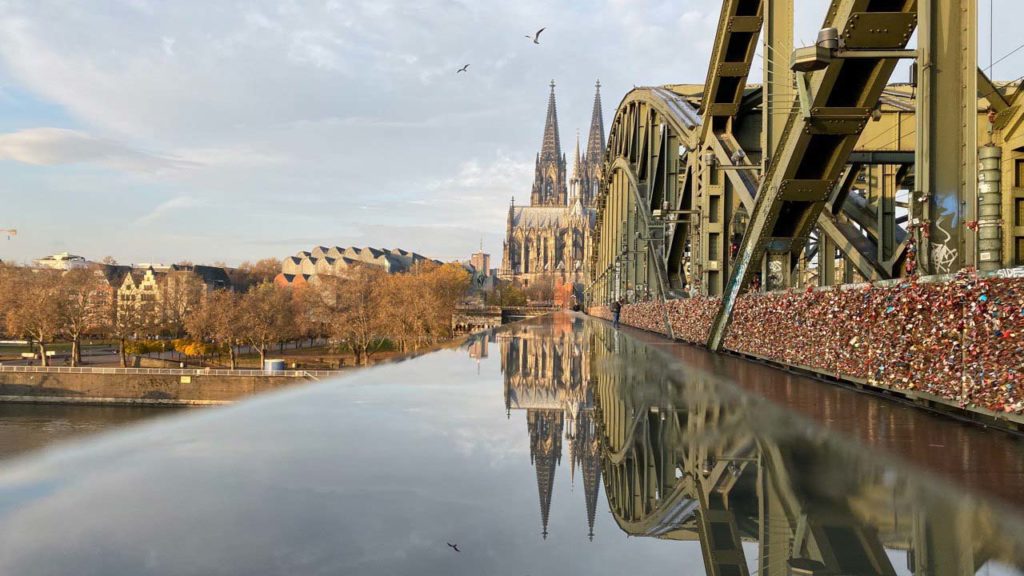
{"type": "Point", "coordinates": [360, 311]}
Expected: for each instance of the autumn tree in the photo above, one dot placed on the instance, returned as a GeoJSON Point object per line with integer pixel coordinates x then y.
{"type": "Point", "coordinates": [417, 307]}
{"type": "Point", "coordinates": [125, 320]}
{"type": "Point", "coordinates": [34, 307]}
{"type": "Point", "coordinates": [265, 317]}
{"type": "Point", "coordinates": [355, 310]}
{"type": "Point", "coordinates": [507, 294]}
{"type": "Point", "coordinates": [445, 286]}
{"type": "Point", "coordinates": [400, 305]}
{"type": "Point", "coordinates": [219, 319]}
{"type": "Point", "coordinates": [183, 291]}
{"type": "Point", "coordinates": [81, 306]}
{"type": "Point", "coordinates": [249, 274]}
{"type": "Point", "coordinates": [541, 291]}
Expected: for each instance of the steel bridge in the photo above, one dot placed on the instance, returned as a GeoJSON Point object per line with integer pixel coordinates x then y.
{"type": "Point", "coordinates": [826, 172]}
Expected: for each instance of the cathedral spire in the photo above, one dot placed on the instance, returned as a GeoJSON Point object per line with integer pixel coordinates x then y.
{"type": "Point", "coordinates": [549, 185]}
{"type": "Point", "coordinates": [577, 160]}
{"type": "Point", "coordinates": [595, 141]}
{"type": "Point", "coordinates": [551, 148]}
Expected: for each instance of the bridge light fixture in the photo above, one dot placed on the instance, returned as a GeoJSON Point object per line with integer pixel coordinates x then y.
{"type": "Point", "coordinates": [810, 59]}
{"type": "Point", "coordinates": [828, 38]}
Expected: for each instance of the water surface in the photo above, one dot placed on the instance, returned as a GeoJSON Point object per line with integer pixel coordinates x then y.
{"type": "Point", "coordinates": [28, 427]}
{"type": "Point", "coordinates": [555, 446]}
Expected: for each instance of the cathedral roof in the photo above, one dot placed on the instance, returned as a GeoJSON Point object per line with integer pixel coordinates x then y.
{"type": "Point", "coordinates": [537, 216]}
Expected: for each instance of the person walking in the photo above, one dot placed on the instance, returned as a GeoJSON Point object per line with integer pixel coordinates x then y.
{"type": "Point", "coordinates": [616, 311]}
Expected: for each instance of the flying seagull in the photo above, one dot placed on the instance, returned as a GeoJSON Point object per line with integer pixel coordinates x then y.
{"type": "Point", "coordinates": [453, 546]}
{"type": "Point", "coordinates": [536, 35]}
{"type": "Point", "coordinates": [463, 69]}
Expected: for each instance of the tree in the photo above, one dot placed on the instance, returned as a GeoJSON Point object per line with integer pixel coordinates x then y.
{"type": "Point", "coordinates": [507, 294]}
{"type": "Point", "coordinates": [218, 319]}
{"type": "Point", "coordinates": [251, 274]}
{"type": "Point", "coordinates": [34, 307]}
{"type": "Point", "coordinates": [446, 286]}
{"type": "Point", "coordinates": [265, 317]}
{"type": "Point", "coordinates": [81, 307]}
{"type": "Point", "coordinates": [183, 291]}
{"type": "Point", "coordinates": [399, 299]}
{"type": "Point", "coordinates": [357, 319]}
{"type": "Point", "coordinates": [125, 320]}
{"type": "Point", "coordinates": [541, 291]}
{"type": "Point", "coordinates": [109, 261]}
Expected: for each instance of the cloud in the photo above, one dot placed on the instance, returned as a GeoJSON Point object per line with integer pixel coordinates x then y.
{"type": "Point", "coordinates": [162, 209]}
{"type": "Point", "coordinates": [289, 116]}
{"type": "Point", "coordinates": [56, 146]}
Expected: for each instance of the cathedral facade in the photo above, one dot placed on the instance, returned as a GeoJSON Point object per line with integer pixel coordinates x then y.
{"type": "Point", "coordinates": [549, 237]}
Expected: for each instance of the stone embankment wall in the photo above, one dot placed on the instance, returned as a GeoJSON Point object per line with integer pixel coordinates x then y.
{"type": "Point", "coordinates": [961, 340]}
{"type": "Point", "coordinates": [135, 388]}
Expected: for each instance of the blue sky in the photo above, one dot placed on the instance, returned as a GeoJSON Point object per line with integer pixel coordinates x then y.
{"type": "Point", "coordinates": [224, 131]}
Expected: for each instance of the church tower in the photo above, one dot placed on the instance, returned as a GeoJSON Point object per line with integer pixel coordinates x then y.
{"type": "Point", "coordinates": [549, 186]}
{"type": "Point", "coordinates": [594, 159]}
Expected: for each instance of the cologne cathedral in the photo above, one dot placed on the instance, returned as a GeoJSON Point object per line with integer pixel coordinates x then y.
{"type": "Point", "coordinates": [549, 238]}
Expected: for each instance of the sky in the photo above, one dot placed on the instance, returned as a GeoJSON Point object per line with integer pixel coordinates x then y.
{"type": "Point", "coordinates": [223, 131]}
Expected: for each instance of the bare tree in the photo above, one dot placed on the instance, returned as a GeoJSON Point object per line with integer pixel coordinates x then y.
{"type": "Point", "coordinates": [220, 320]}
{"type": "Point", "coordinates": [355, 310]}
{"type": "Point", "coordinates": [34, 307]}
{"type": "Point", "coordinates": [265, 317]}
{"type": "Point", "coordinates": [183, 291]}
{"type": "Point", "coordinates": [81, 307]}
{"type": "Point", "coordinates": [125, 320]}
{"type": "Point", "coordinates": [249, 274]}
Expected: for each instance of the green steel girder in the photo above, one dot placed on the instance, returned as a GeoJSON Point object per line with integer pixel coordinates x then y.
{"type": "Point", "coordinates": [813, 151]}
{"type": "Point", "coordinates": [986, 89]}
{"type": "Point", "coordinates": [947, 135]}
{"type": "Point", "coordinates": [654, 256]}
{"type": "Point", "coordinates": [683, 124]}
{"type": "Point", "coordinates": [731, 56]}
{"type": "Point", "coordinates": [649, 124]}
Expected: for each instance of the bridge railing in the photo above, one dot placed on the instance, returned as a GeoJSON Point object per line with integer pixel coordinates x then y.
{"type": "Point", "coordinates": [169, 371]}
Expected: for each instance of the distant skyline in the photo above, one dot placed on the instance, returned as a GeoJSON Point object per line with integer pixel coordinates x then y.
{"type": "Point", "coordinates": [211, 131]}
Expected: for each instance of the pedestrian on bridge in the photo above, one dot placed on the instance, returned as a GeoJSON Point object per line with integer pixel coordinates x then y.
{"type": "Point", "coordinates": [616, 311]}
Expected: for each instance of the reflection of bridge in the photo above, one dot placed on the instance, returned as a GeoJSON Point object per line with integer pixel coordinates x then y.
{"type": "Point", "coordinates": [693, 459]}
{"type": "Point", "coordinates": [716, 187]}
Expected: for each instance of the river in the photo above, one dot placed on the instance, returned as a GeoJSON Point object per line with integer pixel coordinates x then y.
{"type": "Point", "coordinates": [552, 446]}
{"type": "Point", "coordinates": [28, 427]}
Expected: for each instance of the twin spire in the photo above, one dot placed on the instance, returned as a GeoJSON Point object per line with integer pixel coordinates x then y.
{"type": "Point", "coordinates": [551, 146]}
{"type": "Point", "coordinates": [550, 182]}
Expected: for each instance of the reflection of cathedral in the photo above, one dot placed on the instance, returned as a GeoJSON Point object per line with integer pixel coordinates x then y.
{"type": "Point", "coordinates": [546, 375]}
{"type": "Point", "coordinates": [549, 237]}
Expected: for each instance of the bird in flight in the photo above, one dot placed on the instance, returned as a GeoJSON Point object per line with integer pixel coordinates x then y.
{"type": "Point", "coordinates": [453, 546]}
{"type": "Point", "coordinates": [536, 35]}
{"type": "Point", "coordinates": [463, 69]}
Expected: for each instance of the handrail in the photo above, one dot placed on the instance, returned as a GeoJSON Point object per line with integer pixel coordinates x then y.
{"type": "Point", "coordinates": [316, 374]}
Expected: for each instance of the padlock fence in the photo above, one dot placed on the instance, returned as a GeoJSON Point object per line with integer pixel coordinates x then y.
{"type": "Point", "coordinates": [957, 339]}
